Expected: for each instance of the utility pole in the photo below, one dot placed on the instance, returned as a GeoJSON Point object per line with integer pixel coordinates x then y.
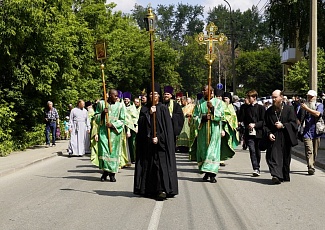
{"type": "Point", "coordinates": [313, 46]}
{"type": "Point", "coordinates": [233, 70]}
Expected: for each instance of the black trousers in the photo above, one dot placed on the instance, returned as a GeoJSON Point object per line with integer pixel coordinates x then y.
{"type": "Point", "coordinates": [254, 151]}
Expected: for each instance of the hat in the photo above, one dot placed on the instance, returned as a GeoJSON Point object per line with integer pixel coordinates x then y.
{"type": "Point", "coordinates": [180, 94]}
{"type": "Point", "coordinates": [312, 93]}
{"type": "Point", "coordinates": [199, 96]}
{"type": "Point", "coordinates": [168, 89]}
{"type": "Point", "coordinates": [227, 94]}
{"type": "Point", "coordinates": [218, 92]}
{"type": "Point", "coordinates": [88, 103]}
{"type": "Point", "coordinates": [119, 94]}
{"type": "Point", "coordinates": [157, 88]}
{"type": "Point", "coordinates": [127, 95]}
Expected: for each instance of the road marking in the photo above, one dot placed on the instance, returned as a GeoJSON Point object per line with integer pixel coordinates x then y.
{"type": "Point", "coordinates": [155, 217]}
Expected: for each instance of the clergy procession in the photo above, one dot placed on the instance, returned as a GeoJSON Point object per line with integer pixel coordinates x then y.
{"type": "Point", "coordinates": [146, 132]}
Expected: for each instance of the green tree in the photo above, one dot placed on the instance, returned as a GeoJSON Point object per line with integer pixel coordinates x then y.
{"type": "Point", "coordinates": [298, 77]}
{"type": "Point", "coordinates": [250, 29]}
{"type": "Point", "coordinates": [260, 70]}
{"type": "Point", "coordinates": [289, 19]}
{"type": "Point", "coordinates": [193, 68]}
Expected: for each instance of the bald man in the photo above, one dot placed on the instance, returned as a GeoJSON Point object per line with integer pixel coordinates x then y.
{"type": "Point", "coordinates": [109, 145]}
{"type": "Point", "coordinates": [280, 128]}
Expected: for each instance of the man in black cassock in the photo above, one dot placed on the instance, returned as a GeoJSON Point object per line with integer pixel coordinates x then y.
{"type": "Point", "coordinates": [280, 127]}
{"type": "Point", "coordinates": [175, 111]}
{"type": "Point", "coordinates": [155, 167]}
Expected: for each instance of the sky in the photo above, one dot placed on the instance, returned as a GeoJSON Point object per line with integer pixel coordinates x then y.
{"type": "Point", "coordinates": [126, 5]}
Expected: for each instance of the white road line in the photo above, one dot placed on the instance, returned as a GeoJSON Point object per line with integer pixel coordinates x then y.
{"type": "Point", "coordinates": [155, 217]}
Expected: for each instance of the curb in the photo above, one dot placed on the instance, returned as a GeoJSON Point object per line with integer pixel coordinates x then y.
{"type": "Point", "coordinates": [301, 155]}
{"type": "Point", "coordinates": [19, 167]}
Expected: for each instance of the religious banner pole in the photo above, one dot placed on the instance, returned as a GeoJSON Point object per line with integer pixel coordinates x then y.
{"type": "Point", "coordinates": [101, 55]}
{"type": "Point", "coordinates": [210, 40]}
{"type": "Point", "coordinates": [150, 26]}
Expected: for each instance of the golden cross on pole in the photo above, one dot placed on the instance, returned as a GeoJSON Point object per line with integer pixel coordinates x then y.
{"type": "Point", "coordinates": [210, 40]}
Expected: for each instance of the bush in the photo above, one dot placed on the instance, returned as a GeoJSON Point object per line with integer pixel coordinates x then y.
{"type": "Point", "coordinates": [30, 138]}
{"type": "Point", "coordinates": [7, 117]}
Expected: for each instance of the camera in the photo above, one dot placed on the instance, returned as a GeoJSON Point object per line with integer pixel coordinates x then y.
{"type": "Point", "coordinates": [302, 100]}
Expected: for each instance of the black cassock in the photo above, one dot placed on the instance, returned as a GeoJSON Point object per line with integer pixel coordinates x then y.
{"type": "Point", "coordinates": [278, 153]}
{"type": "Point", "coordinates": [177, 118]}
{"type": "Point", "coordinates": [155, 167]}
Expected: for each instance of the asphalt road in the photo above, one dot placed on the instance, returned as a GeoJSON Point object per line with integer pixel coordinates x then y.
{"type": "Point", "coordinates": [65, 193]}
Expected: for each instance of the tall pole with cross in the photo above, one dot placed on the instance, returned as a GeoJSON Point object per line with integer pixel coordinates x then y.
{"type": "Point", "coordinates": [100, 48]}
{"type": "Point", "coordinates": [210, 40]}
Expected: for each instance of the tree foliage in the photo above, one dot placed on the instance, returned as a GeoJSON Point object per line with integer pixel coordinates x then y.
{"type": "Point", "coordinates": [290, 20]}
{"type": "Point", "coordinates": [250, 29]}
{"type": "Point", "coordinates": [298, 77]}
{"type": "Point", "coordinates": [260, 70]}
{"type": "Point", "coordinates": [47, 53]}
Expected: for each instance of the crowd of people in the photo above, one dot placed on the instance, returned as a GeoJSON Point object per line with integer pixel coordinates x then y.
{"type": "Point", "coordinates": [148, 130]}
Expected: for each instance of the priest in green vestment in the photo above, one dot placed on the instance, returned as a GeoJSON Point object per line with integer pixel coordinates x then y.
{"type": "Point", "coordinates": [230, 124]}
{"type": "Point", "coordinates": [208, 151]}
{"type": "Point", "coordinates": [108, 158]}
{"type": "Point", "coordinates": [183, 140]}
{"type": "Point", "coordinates": [131, 124]}
{"type": "Point", "coordinates": [193, 132]}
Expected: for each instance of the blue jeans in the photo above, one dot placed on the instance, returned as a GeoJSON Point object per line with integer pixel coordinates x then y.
{"type": "Point", "coordinates": [50, 127]}
{"type": "Point", "coordinates": [254, 152]}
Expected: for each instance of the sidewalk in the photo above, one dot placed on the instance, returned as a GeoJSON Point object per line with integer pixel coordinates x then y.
{"type": "Point", "coordinates": [299, 151]}
{"type": "Point", "coordinates": [18, 160]}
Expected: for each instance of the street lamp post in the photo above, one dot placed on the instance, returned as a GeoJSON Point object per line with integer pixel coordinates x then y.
{"type": "Point", "coordinates": [150, 22]}
{"type": "Point", "coordinates": [233, 71]}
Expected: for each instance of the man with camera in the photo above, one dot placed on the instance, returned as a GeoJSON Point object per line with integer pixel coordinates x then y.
{"type": "Point", "coordinates": [253, 117]}
{"type": "Point", "coordinates": [308, 115]}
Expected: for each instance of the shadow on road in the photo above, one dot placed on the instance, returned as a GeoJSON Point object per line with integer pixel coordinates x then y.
{"type": "Point", "coordinates": [87, 178]}
{"type": "Point", "coordinates": [196, 179]}
{"type": "Point", "coordinates": [251, 179]}
{"type": "Point", "coordinates": [86, 166]}
{"type": "Point", "coordinates": [115, 193]}
{"type": "Point", "coordinates": [84, 171]}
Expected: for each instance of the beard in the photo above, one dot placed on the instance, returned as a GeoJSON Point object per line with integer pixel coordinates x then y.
{"type": "Point", "coordinates": [311, 104]}
{"type": "Point", "coordinates": [278, 106]}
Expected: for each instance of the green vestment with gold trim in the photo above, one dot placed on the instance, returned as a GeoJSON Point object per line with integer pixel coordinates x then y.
{"type": "Point", "coordinates": [208, 154]}
{"type": "Point", "coordinates": [109, 160]}
{"type": "Point", "coordinates": [231, 139]}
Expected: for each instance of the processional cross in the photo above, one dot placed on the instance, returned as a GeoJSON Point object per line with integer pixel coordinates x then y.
{"type": "Point", "coordinates": [210, 40]}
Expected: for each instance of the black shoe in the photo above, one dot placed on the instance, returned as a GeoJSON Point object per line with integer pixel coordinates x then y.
{"type": "Point", "coordinates": [112, 177]}
{"type": "Point", "coordinates": [206, 177]}
{"type": "Point", "coordinates": [213, 179]}
{"type": "Point", "coordinates": [161, 196]}
{"type": "Point", "coordinates": [311, 171]}
{"type": "Point", "coordinates": [276, 180]}
{"type": "Point", "coordinates": [104, 176]}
